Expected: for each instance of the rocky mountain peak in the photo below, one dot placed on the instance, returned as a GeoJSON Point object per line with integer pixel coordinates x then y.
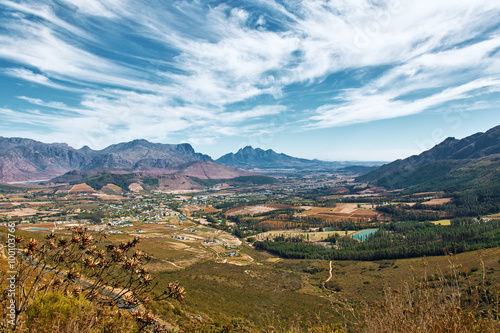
{"type": "Point", "coordinates": [29, 160]}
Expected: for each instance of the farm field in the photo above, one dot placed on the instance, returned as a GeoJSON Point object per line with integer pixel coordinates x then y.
{"type": "Point", "coordinates": [440, 201]}
{"type": "Point", "coordinates": [311, 236]}
{"type": "Point", "coordinates": [178, 248]}
{"type": "Point", "coordinates": [199, 208]}
{"type": "Point", "coordinates": [19, 212]}
{"type": "Point", "coordinates": [341, 210]}
{"type": "Point", "coordinates": [250, 210]}
{"type": "Point", "coordinates": [256, 209]}
{"type": "Point", "coordinates": [442, 222]}
{"type": "Point", "coordinates": [174, 247]}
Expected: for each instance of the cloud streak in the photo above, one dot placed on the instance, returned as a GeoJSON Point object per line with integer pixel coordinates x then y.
{"type": "Point", "coordinates": [127, 69]}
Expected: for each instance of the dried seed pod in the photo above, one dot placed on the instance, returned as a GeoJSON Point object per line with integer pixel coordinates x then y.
{"type": "Point", "coordinates": [33, 244]}
{"type": "Point", "coordinates": [147, 279]}
{"type": "Point", "coordinates": [51, 236]}
{"type": "Point", "coordinates": [73, 274]}
{"type": "Point", "coordinates": [86, 239]}
{"type": "Point", "coordinates": [57, 281]}
{"type": "Point", "coordinates": [76, 291]}
{"type": "Point", "coordinates": [50, 244]}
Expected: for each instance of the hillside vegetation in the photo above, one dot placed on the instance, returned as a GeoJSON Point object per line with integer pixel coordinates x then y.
{"type": "Point", "coordinates": [451, 165]}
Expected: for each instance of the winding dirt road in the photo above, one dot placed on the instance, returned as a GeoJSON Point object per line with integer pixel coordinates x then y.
{"type": "Point", "coordinates": [330, 277]}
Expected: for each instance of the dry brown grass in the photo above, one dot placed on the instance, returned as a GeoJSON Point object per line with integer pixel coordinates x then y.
{"type": "Point", "coordinates": [441, 201]}
{"type": "Point", "coordinates": [444, 304]}
{"type": "Point", "coordinates": [250, 210]}
{"type": "Point", "coordinates": [442, 222]}
{"type": "Point", "coordinates": [20, 212]}
{"type": "Point", "coordinates": [341, 211]}
{"type": "Point", "coordinates": [430, 308]}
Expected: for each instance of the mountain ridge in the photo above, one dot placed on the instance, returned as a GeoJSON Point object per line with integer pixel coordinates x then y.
{"type": "Point", "coordinates": [257, 158]}
{"type": "Point", "coordinates": [30, 160]}
{"type": "Point", "coordinates": [450, 165]}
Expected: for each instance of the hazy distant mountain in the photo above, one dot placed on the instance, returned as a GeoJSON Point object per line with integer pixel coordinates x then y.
{"type": "Point", "coordinates": [452, 164]}
{"type": "Point", "coordinates": [250, 158]}
{"type": "Point", "coordinates": [211, 170]}
{"type": "Point", "coordinates": [144, 155]}
{"type": "Point", "coordinates": [30, 160]}
{"type": "Point", "coordinates": [25, 159]}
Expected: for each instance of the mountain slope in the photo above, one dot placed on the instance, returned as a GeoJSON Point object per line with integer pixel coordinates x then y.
{"type": "Point", "coordinates": [197, 169]}
{"type": "Point", "coordinates": [143, 155]}
{"type": "Point", "coordinates": [211, 170]}
{"type": "Point", "coordinates": [30, 160]}
{"type": "Point", "coordinates": [250, 158]}
{"type": "Point", "coordinates": [450, 165]}
{"type": "Point", "coordinates": [25, 159]}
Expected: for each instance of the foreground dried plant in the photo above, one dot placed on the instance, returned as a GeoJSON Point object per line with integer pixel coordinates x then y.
{"type": "Point", "coordinates": [81, 264]}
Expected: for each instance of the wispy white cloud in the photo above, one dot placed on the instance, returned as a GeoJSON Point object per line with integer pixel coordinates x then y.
{"type": "Point", "coordinates": [40, 79]}
{"type": "Point", "coordinates": [37, 101]}
{"type": "Point", "coordinates": [360, 107]}
{"type": "Point", "coordinates": [45, 12]}
{"type": "Point", "coordinates": [28, 75]}
{"type": "Point", "coordinates": [107, 9]}
{"type": "Point", "coordinates": [121, 115]}
{"type": "Point", "coordinates": [37, 46]}
{"type": "Point", "coordinates": [255, 113]}
{"type": "Point", "coordinates": [163, 68]}
{"type": "Point", "coordinates": [15, 120]}
{"type": "Point", "coordinates": [452, 72]}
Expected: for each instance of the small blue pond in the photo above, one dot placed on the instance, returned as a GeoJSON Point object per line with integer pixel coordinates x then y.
{"type": "Point", "coordinates": [363, 235]}
{"type": "Point", "coordinates": [36, 229]}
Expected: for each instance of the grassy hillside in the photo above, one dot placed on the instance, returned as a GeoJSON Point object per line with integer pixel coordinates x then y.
{"type": "Point", "coordinates": [256, 180]}
{"type": "Point", "coordinates": [272, 295]}
{"type": "Point", "coordinates": [237, 181]}
{"type": "Point", "coordinates": [104, 178]}
{"type": "Point", "coordinates": [262, 295]}
{"type": "Point", "coordinates": [451, 165]}
{"type": "Point", "coordinates": [448, 175]}
{"type": "Point", "coordinates": [297, 295]}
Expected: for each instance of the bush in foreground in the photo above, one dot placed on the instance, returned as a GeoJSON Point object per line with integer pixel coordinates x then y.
{"type": "Point", "coordinates": [102, 277]}
{"type": "Point", "coordinates": [59, 313]}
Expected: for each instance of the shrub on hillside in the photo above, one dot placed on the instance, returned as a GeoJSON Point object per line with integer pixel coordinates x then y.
{"type": "Point", "coordinates": [85, 265]}
{"type": "Point", "coordinates": [441, 304]}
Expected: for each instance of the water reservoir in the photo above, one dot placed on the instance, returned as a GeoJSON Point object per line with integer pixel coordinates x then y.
{"type": "Point", "coordinates": [363, 234]}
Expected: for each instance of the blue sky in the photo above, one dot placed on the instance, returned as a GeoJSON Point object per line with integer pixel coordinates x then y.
{"type": "Point", "coordinates": [334, 80]}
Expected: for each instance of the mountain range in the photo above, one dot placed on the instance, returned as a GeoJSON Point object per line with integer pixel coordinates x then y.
{"type": "Point", "coordinates": [30, 160]}
{"type": "Point", "coordinates": [250, 158]}
{"type": "Point", "coordinates": [451, 165]}
{"type": "Point", "coordinates": [24, 160]}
